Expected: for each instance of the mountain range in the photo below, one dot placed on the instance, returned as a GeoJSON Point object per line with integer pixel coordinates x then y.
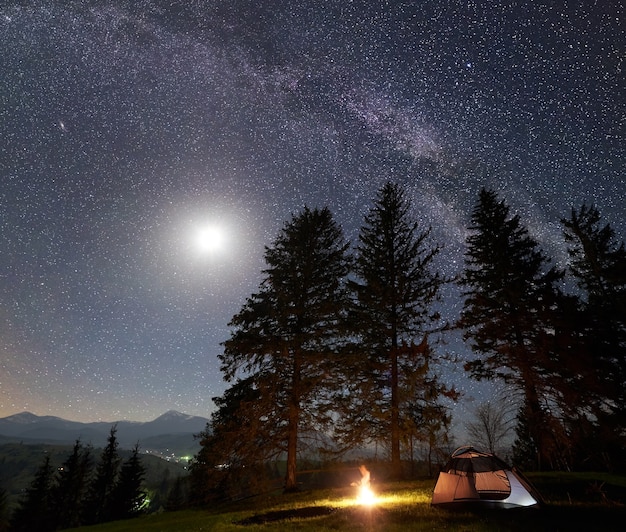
{"type": "Point", "coordinates": [171, 434]}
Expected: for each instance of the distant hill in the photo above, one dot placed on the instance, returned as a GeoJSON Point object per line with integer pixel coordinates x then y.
{"type": "Point", "coordinates": [171, 434]}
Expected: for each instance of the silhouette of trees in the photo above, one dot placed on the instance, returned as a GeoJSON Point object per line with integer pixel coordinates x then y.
{"type": "Point", "coordinates": [288, 335]}
{"type": "Point", "coordinates": [524, 447]}
{"type": "Point", "coordinates": [177, 497]}
{"type": "Point", "coordinates": [74, 494]}
{"type": "Point", "coordinates": [4, 511]}
{"type": "Point", "coordinates": [342, 346]}
{"type": "Point", "coordinates": [234, 445]}
{"type": "Point", "coordinates": [565, 352]}
{"type": "Point", "coordinates": [493, 421]}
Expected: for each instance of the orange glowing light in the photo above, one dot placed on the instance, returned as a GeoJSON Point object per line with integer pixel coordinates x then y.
{"type": "Point", "coordinates": [366, 496]}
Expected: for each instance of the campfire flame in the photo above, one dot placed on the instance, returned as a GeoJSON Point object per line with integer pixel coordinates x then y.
{"type": "Point", "coordinates": [366, 496]}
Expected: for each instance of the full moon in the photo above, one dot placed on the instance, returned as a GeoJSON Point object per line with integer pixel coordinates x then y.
{"type": "Point", "coordinates": [210, 239]}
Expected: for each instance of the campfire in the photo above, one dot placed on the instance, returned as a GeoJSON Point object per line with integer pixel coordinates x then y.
{"type": "Point", "coordinates": [365, 496]}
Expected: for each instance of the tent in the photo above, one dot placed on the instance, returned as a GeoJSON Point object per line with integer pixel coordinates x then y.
{"type": "Point", "coordinates": [475, 479]}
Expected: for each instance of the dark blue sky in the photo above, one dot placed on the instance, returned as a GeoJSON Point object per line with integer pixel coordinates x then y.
{"type": "Point", "coordinates": [128, 126]}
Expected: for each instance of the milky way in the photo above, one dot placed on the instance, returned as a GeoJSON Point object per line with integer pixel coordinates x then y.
{"type": "Point", "coordinates": [126, 126]}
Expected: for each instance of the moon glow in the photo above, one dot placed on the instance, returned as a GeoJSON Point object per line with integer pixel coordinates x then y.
{"type": "Point", "coordinates": [210, 240]}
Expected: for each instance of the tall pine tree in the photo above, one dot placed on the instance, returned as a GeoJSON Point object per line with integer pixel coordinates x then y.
{"type": "Point", "coordinates": [395, 288]}
{"type": "Point", "coordinates": [36, 508]}
{"type": "Point", "coordinates": [128, 496]}
{"type": "Point", "coordinates": [598, 377]}
{"type": "Point", "coordinates": [510, 293]}
{"type": "Point", "coordinates": [73, 477]}
{"type": "Point", "coordinates": [4, 511]}
{"type": "Point", "coordinates": [288, 335]}
{"type": "Point", "coordinates": [98, 502]}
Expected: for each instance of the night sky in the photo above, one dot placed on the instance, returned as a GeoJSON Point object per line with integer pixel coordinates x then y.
{"type": "Point", "coordinates": [129, 129]}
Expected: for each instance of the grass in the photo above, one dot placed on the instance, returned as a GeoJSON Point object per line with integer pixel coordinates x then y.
{"type": "Point", "coordinates": [573, 502]}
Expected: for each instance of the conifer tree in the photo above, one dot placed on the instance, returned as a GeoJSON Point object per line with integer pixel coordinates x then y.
{"type": "Point", "coordinates": [98, 503]}
{"type": "Point", "coordinates": [128, 496]}
{"type": "Point", "coordinates": [510, 294]}
{"type": "Point", "coordinates": [395, 288]}
{"type": "Point", "coordinates": [288, 335]}
{"type": "Point", "coordinates": [234, 444]}
{"type": "Point", "coordinates": [69, 493]}
{"type": "Point", "coordinates": [36, 509]}
{"type": "Point", "coordinates": [597, 378]}
{"type": "Point", "coordinates": [524, 445]}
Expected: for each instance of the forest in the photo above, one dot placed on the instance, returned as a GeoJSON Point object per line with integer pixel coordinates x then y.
{"type": "Point", "coordinates": [339, 346]}
{"type": "Point", "coordinates": [82, 490]}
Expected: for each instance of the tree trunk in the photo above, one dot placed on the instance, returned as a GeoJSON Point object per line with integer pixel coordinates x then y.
{"type": "Point", "coordinates": [396, 464]}
{"type": "Point", "coordinates": [292, 445]}
{"type": "Point", "coordinates": [531, 394]}
{"type": "Point", "coordinates": [291, 483]}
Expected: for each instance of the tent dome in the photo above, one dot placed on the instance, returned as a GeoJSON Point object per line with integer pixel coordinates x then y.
{"type": "Point", "coordinates": [472, 478]}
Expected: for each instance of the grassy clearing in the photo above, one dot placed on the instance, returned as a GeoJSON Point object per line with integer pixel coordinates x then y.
{"type": "Point", "coordinates": [573, 504]}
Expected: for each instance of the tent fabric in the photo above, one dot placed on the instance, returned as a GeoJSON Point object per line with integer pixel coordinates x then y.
{"type": "Point", "coordinates": [496, 484]}
{"type": "Point", "coordinates": [461, 487]}
{"type": "Point", "coordinates": [520, 495]}
{"type": "Point", "coordinates": [472, 478]}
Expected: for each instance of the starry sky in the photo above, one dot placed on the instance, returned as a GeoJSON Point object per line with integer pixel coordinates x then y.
{"type": "Point", "coordinates": [129, 129]}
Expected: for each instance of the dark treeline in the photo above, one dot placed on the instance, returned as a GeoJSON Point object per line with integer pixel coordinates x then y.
{"type": "Point", "coordinates": [82, 491]}
{"type": "Point", "coordinates": [339, 346]}
{"type": "Point", "coordinates": [564, 352]}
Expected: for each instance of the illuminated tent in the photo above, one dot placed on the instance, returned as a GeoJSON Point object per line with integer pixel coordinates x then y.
{"type": "Point", "coordinates": [472, 478]}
